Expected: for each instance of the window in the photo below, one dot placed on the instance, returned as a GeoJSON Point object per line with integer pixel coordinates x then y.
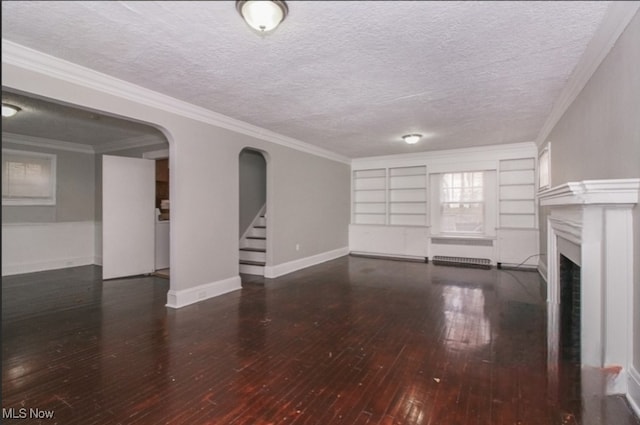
{"type": "Point", "coordinates": [462, 203]}
{"type": "Point", "coordinates": [28, 178]}
{"type": "Point", "coordinates": [544, 168]}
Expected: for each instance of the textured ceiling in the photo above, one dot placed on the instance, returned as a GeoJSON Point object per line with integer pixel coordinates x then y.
{"type": "Point", "coordinates": [350, 77]}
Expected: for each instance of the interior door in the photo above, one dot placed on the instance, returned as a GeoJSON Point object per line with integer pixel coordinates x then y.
{"type": "Point", "coordinates": [128, 216]}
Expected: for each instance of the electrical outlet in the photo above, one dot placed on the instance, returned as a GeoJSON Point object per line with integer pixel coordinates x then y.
{"type": "Point", "coordinates": [297, 247]}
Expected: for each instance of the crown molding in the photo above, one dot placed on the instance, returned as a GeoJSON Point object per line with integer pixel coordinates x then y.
{"type": "Point", "coordinates": [43, 142]}
{"type": "Point", "coordinates": [33, 60]}
{"type": "Point", "coordinates": [511, 150]}
{"type": "Point", "coordinates": [616, 19]}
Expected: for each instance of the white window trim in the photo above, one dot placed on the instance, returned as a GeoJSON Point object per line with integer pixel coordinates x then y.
{"type": "Point", "coordinates": [544, 168]}
{"type": "Point", "coordinates": [49, 200]}
{"type": "Point", "coordinates": [489, 202]}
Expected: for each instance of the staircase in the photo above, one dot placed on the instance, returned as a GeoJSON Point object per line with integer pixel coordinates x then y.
{"type": "Point", "coordinates": [253, 246]}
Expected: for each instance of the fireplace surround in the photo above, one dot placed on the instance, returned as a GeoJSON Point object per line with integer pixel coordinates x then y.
{"type": "Point", "coordinates": [591, 223]}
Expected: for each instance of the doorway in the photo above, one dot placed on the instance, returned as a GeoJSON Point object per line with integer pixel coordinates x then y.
{"type": "Point", "coordinates": [163, 212]}
{"type": "Point", "coordinates": [252, 212]}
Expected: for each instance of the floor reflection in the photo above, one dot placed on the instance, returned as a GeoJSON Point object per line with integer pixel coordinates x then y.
{"type": "Point", "coordinates": [467, 326]}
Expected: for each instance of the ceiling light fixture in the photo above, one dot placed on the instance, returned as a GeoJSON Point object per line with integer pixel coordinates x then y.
{"type": "Point", "coordinates": [412, 139]}
{"type": "Point", "coordinates": [9, 110]}
{"type": "Point", "coordinates": [262, 16]}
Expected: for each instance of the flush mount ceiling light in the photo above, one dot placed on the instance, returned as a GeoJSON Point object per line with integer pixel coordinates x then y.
{"type": "Point", "coordinates": [9, 110]}
{"type": "Point", "coordinates": [412, 139]}
{"type": "Point", "coordinates": [262, 16]}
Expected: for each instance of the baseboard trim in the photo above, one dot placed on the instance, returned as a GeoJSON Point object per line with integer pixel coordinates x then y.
{"type": "Point", "coordinates": [185, 297]}
{"type": "Point", "coordinates": [63, 263]}
{"type": "Point", "coordinates": [389, 257]}
{"type": "Point", "coordinates": [302, 263]}
{"type": "Point", "coordinates": [633, 390]}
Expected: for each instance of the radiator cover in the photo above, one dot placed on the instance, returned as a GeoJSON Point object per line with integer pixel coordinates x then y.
{"type": "Point", "coordinates": [483, 263]}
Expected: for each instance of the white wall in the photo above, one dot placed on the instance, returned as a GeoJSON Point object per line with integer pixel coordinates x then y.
{"type": "Point", "coordinates": [309, 193]}
{"type": "Point", "coordinates": [31, 247]}
{"type": "Point", "coordinates": [598, 137]}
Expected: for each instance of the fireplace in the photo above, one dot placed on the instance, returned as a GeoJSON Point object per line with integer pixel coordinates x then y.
{"type": "Point", "coordinates": [590, 231]}
{"type": "Point", "coordinates": [569, 310]}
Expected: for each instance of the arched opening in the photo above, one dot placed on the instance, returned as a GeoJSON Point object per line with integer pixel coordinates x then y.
{"type": "Point", "coordinates": [252, 212]}
{"type": "Point", "coordinates": [77, 139]}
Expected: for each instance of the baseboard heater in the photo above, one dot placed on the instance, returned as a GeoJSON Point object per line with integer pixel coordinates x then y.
{"type": "Point", "coordinates": [483, 263]}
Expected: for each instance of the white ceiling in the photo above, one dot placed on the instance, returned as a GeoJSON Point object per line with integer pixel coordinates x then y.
{"type": "Point", "coordinates": [350, 77]}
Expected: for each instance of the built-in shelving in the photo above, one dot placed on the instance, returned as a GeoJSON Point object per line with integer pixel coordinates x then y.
{"type": "Point", "coordinates": [408, 196]}
{"type": "Point", "coordinates": [517, 207]}
{"type": "Point", "coordinates": [370, 196]}
{"type": "Point", "coordinates": [390, 196]}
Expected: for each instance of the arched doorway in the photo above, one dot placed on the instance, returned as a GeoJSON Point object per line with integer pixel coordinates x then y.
{"type": "Point", "coordinates": [252, 211]}
{"type": "Point", "coordinates": [78, 139]}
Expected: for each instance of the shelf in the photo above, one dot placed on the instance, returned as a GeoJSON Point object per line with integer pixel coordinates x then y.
{"type": "Point", "coordinates": [368, 177]}
{"type": "Point", "coordinates": [404, 190]}
{"type": "Point", "coordinates": [407, 202]}
{"type": "Point", "coordinates": [516, 184]}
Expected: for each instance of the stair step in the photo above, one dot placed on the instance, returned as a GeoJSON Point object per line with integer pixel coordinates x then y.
{"type": "Point", "coordinates": [250, 269]}
{"type": "Point", "coordinates": [257, 237]}
{"type": "Point", "coordinates": [253, 249]}
{"type": "Point", "coordinates": [252, 263]}
{"type": "Point", "coordinates": [259, 227]}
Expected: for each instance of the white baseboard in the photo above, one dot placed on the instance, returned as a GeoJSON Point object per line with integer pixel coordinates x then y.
{"type": "Point", "coordinates": [185, 297]}
{"type": "Point", "coordinates": [295, 265]}
{"type": "Point", "coordinates": [633, 390]}
{"type": "Point", "coordinates": [11, 269]}
{"type": "Point", "coordinates": [388, 256]}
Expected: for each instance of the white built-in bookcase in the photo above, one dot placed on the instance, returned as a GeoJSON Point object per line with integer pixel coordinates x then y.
{"type": "Point", "coordinates": [517, 209]}
{"type": "Point", "coordinates": [390, 196]}
{"type": "Point", "coordinates": [370, 196]}
{"type": "Point", "coordinates": [408, 196]}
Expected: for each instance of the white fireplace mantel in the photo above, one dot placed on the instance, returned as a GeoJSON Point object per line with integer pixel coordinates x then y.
{"type": "Point", "coordinates": [590, 192]}
{"type": "Point", "coordinates": [591, 223]}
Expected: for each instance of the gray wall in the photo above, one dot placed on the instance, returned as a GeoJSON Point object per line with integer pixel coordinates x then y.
{"type": "Point", "coordinates": [308, 195]}
{"type": "Point", "coordinates": [599, 136]}
{"type": "Point", "coordinates": [312, 198]}
{"type": "Point", "coordinates": [253, 186]}
{"type": "Point", "coordinates": [75, 190]}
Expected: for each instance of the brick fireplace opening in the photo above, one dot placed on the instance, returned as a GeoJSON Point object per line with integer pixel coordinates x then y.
{"type": "Point", "coordinates": [569, 311]}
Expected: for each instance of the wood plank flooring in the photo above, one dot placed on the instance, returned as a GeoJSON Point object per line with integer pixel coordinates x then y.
{"type": "Point", "coordinates": [351, 341]}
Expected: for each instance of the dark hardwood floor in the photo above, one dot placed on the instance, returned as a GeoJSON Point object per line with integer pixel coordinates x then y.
{"type": "Point", "coordinates": [351, 341]}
